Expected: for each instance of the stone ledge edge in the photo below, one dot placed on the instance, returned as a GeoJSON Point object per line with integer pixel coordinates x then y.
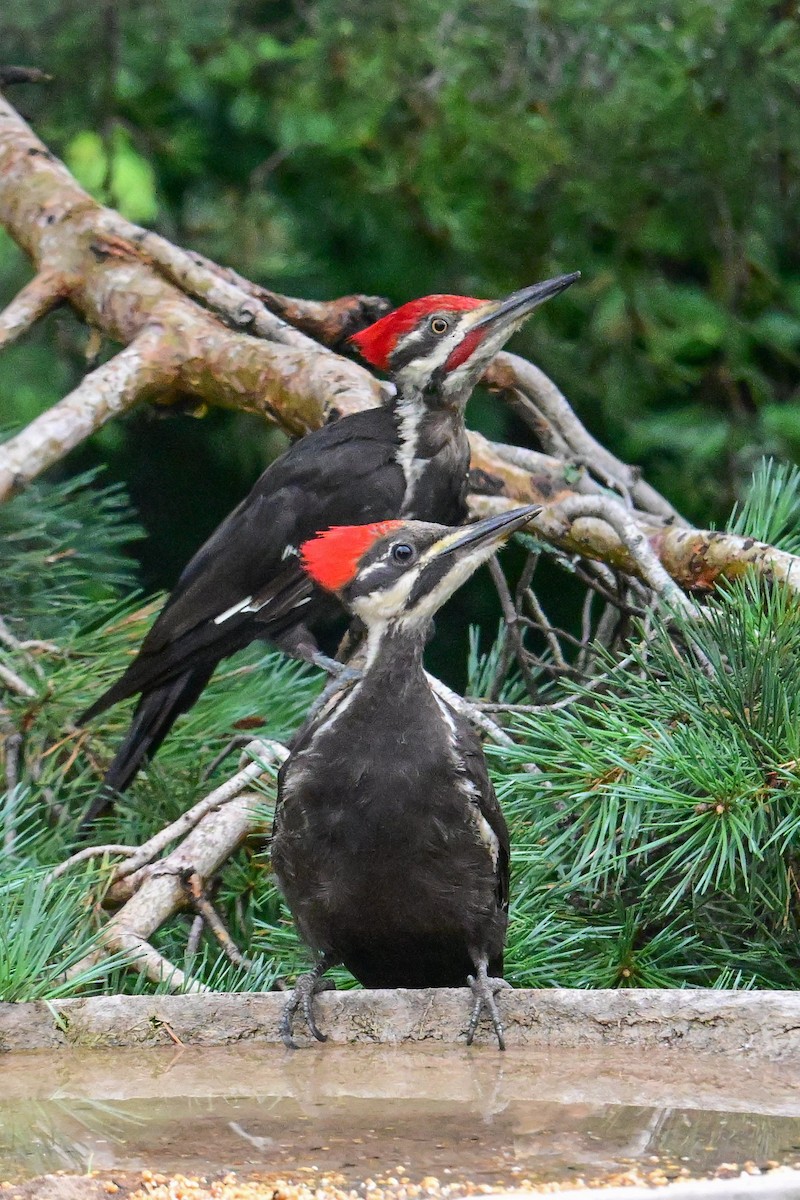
{"type": "Point", "coordinates": [760, 1024]}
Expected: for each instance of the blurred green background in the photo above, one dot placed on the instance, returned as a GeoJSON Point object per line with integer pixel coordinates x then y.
{"type": "Point", "coordinates": [405, 146]}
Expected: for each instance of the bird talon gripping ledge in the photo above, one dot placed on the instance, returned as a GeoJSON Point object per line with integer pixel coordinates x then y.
{"type": "Point", "coordinates": [484, 989]}
{"type": "Point", "coordinates": [389, 843]}
{"type": "Point", "coordinates": [302, 996]}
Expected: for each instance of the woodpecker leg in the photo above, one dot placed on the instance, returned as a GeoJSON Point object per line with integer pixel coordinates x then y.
{"type": "Point", "coordinates": [341, 672]}
{"type": "Point", "coordinates": [484, 989]}
{"type": "Point", "coordinates": [302, 996]}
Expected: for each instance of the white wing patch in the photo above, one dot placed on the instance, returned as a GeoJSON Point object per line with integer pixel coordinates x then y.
{"type": "Point", "coordinates": [241, 606]}
{"type": "Point", "coordinates": [247, 606]}
{"type": "Point", "coordinates": [468, 789]}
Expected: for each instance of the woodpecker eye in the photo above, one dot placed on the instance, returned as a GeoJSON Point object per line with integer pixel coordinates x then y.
{"type": "Point", "coordinates": [402, 552]}
{"type": "Point", "coordinates": [439, 325]}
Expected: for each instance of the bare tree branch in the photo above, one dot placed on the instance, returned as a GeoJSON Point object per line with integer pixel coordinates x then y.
{"type": "Point", "coordinates": [37, 298]}
{"type": "Point", "coordinates": [330, 322]}
{"type": "Point", "coordinates": [693, 558]}
{"type": "Point", "coordinates": [161, 893]}
{"type": "Point", "coordinates": [132, 285]}
{"type": "Point", "coordinates": [260, 751]}
{"type": "Point", "coordinates": [137, 371]}
{"type": "Point", "coordinates": [195, 891]}
{"type": "Point", "coordinates": [511, 373]}
{"type": "Point", "coordinates": [13, 75]}
{"type": "Point", "coordinates": [145, 959]}
{"type": "Point", "coordinates": [633, 537]}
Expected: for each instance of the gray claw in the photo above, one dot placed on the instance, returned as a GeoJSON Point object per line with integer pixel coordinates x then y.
{"type": "Point", "coordinates": [484, 989]}
{"type": "Point", "coordinates": [302, 996]}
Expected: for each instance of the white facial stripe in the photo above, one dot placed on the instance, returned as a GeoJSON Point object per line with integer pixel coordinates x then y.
{"type": "Point", "coordinates": [460, 570]}
{"type": "Point", "coordinates": [415, 375]}
{"type": "Point", "coordinates": [381, 606]}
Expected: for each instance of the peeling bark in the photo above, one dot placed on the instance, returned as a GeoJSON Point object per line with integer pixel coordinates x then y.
{"type": "Point", "coordinates": [119, 284]}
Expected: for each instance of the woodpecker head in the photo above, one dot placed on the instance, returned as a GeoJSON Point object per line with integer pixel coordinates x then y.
{"type": "Point", "coordinates": [402, 572]}
{"type": "Point", "coordinates": [444, 343]}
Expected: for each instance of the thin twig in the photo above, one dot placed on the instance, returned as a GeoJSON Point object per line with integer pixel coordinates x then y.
{"type": "Point", "coordinates": [586, 630]}
{"type": "Point", "coordinates": [193, 940]}
{"type": "Point", "coordinates": [84, 855]}
{"type": "Point", "coordinates": [511, 619]}
{"type": "Point", "coordinates": [542, 623]}
{"type": "Point", "coordinates": [565, 701]}
{"type": "Point", "coordinates": [15, 683]}
{"type": "Point", "coordinates": [590, 579]}
{"type": "Point", "coordinates": [263, 750]}
{"type": "Point", "coordinates": [205, 909]}
{"type": "Point", "coordinates": [12, 746]}
{"type": "Point", "coordinates": [470, 711]}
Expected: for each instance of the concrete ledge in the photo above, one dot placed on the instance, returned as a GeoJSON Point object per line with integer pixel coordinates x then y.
{"type": "Point", "coordinates": [765, 1024]}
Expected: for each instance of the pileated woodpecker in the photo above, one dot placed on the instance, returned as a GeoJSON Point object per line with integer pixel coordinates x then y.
{"type": "Point", "coordinates": [409, 458]}
{"type": "Point", "coordinates": [388, 842]}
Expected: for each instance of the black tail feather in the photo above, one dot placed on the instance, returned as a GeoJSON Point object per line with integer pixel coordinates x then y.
{"type": "Point", "coordinates": [152, 720]}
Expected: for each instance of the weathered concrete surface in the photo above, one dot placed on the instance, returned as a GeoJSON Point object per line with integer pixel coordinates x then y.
{"type": "Point", "coordinates": [762, 1024]}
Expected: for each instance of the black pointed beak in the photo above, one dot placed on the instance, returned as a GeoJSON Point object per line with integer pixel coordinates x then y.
{"type": "Point", "coordinates": [490, 531]}
{"type": "Point", "coordinates": [519, 304]}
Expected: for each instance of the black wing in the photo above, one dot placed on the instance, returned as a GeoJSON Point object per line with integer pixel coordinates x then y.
{"type": "Point", "coordinates": [245, 582]}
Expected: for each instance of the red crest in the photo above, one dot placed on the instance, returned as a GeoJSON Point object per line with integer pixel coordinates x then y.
{"type": "Point", "coordinates": [376, 342]}
{"type": "Point", "coordinates": [331, 557]}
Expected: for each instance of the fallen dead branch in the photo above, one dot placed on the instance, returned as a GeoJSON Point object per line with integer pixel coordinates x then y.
{"type": "Point", "coordinates": [159, 890]}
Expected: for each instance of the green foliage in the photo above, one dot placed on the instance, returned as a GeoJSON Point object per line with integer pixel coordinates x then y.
{"type": "Point", "coordinates": [771, 509]}
{"type": "Point", "coordinates": [44, 932]}
{"type": "Point", "coordinates": [659, 835]}
{"type": "Point", "coordinates": [61, 548]}
{"type": "Point", "coordinates": [655, 820]}
{"type": "Point", "coordinates": [63, 574]}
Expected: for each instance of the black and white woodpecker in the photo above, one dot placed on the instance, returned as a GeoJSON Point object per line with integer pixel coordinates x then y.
{"type": "Point", "coordinates": [407, 459]}
{"type": "Point", "coordinates": [389, 843]}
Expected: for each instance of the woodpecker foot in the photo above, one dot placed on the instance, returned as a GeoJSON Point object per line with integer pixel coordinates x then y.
{"type": "Point", "coordinates": [339, 670]}
{"type": "Point", "coordinates": [302, 996]}
{"type": "Point", "coordinates": [484, 989]}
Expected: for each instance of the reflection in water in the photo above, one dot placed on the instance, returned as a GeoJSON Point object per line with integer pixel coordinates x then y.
{"type": "Point", "coordinates": [38, 1136]}
{"type": "Point", "coordinates": [361, 1111]}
